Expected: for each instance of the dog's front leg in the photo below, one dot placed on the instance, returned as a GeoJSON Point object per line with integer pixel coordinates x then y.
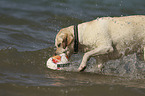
{"type": "Point", "coordinates": [96, 51]}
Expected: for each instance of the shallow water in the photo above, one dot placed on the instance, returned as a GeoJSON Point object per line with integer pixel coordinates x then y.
{"type": "Point", "coordinates": [27, 33]}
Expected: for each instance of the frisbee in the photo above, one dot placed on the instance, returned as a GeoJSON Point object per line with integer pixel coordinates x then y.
{"type": "Point", "coordinates": [58, 62]}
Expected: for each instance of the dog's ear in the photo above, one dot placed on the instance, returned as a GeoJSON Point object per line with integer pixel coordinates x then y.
{"type": "Point", "coordinates": [67, 39]}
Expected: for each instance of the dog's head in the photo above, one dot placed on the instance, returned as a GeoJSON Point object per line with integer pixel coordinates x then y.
{"type": "Point", "coordinates": [64, 41]}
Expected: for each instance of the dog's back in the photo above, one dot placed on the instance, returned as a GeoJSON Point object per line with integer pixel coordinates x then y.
{"type": "Point", "coordinates": [128, 33]}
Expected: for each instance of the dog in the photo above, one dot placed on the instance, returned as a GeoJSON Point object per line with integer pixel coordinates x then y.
{"type": "Point", "coordinates": [104, 38]}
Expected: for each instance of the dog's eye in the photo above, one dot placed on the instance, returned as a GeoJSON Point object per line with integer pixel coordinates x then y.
{"type": "Point", "coordinates": [59, 45]}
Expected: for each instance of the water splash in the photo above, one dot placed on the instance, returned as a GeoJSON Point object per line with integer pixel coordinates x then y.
{"type": "Point", "coordinates": [128, 66]}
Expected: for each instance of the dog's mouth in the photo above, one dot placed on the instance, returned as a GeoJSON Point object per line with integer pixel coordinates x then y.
{"type": "Point", "coordinates": [61, 51]}
{"type": "Point", "coordinates": [67, 52]}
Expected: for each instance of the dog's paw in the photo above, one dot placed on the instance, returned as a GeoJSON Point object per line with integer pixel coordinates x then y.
{"type": "Point", "coordinates": [81, 68]}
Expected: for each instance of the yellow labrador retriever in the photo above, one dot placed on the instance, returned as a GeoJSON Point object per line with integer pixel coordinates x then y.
{"type": "Point", "coordinates": [105, 38]}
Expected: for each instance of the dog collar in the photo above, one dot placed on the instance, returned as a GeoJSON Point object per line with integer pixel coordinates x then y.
{"type": "Point", "coordinates": [76, 41]}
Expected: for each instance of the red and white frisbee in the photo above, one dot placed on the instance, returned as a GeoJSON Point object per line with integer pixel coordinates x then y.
{"type": "Point", "coordinates": [58, 62]}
